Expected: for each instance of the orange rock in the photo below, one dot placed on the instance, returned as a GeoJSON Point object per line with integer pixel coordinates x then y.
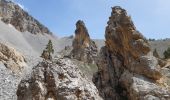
{"type": "Point", "coordinates": [84, 49]}
{"type": "Point", "coordinates": [127, 70]}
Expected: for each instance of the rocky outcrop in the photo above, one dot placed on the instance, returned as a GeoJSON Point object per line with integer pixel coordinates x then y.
{"type": "Point", "coordinates": [12, 14]}
{"type": "Point", "coordinates": [84, 49]}
{"type": "Point", "coordinates": [12, 59]}
{"type": "Point", "coordinates": [58, 80]}
{"type": "Point", "coordinates": [127, 70]}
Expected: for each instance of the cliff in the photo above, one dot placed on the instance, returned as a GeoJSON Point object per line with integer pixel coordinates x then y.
{"type": "Point", "coordinates": [11, 13]}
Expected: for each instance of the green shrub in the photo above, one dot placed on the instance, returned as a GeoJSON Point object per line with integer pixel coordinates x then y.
{"type": "Point", "coordinates": [155, 53]}
{"type": "Point", "coordinates": [47, 53]}
{"type": "Point", "coordinates": [167, 53]}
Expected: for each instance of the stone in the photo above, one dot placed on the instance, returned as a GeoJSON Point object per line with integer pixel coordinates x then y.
{"type": "Point", "coordinates": [57, 80]}
{"type": "Point", "coordinates": [84, 49]}
{"type": "Point", "coordinates": [147, 64]}
{"type": "Point", "coordinates": [11, 58]}
{"type": "Point", "coordinates": [127, 69]}
{"type": "Point", "coordinates": [139, 87]}
{"type": "Point", "coordinates": [12, 14]}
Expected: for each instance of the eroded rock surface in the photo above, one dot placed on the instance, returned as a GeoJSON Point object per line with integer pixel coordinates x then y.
{"type": "Point", "coordinates": [127, 70]}
{"type": "Point", "coordinates": [60, 80]}
{"type": "Point", "coordinates": [12, 59]}
{"type": "Point", "coordinates": [84, 49]}
{"type": "Point", "coordinates": [13, 14]}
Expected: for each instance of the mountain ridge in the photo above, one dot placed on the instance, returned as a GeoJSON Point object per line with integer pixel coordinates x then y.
{"type": "Point", "coordinates": [13, 14]}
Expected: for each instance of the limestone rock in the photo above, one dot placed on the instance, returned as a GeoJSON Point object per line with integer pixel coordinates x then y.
{"type": "Point", "coordinates": [11, 58]}
{"type": "Point", "coordinates": [141, 88]}
{"type": "Point", "coordinates": [84, 49]}
{"type": "Point", "coordinates": [12, 14]}
{"type": "Point", "coordinates": [127, 70]}
{"type": "Point", "coordinates": [60, 80]}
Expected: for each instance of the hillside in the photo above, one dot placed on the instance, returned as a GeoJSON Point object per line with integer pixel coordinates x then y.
{"type": "Point", "coordinates": [13, 14]}
{"type": "Point", "coordinates": [120, 67]}
{"type": "Point", "coordinates": [27, 38]}
{"type": "Point", "coordinates": [160, 46]}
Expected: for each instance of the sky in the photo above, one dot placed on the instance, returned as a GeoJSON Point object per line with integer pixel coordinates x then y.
{"type": "Point", "coordinates": [151, 17]}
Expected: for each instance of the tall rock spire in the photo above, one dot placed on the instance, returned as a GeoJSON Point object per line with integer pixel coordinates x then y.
{"type": "Point", "coordinates": [127, 70]}
{"type": "Point", "coordinates": [84, 49]}
{"type": "Point", "coordinates": [82, 37]}
{"type": "Point", "coordinates": [122, 37]}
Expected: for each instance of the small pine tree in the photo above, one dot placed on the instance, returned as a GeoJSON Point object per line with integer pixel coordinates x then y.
{"type": "Point", "coordinates": [155, 53]}
{"type": "Point", "coordinates": [47, 53]}
{"type": "Point", "coordinates": [167, 53]}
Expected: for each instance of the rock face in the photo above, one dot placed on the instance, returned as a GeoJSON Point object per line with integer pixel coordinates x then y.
{"type": "Point", "coordinates": [60, 80]}
{"type": "Point", "coordinates": [11, 58]}
{"type": "Point", "coordinates": [127, 70]}
{"type": "Point", "coordinates": [12, 14]}
{"type": "Point", "coordinates": [84, 49]}
{"type": "Point", "coordinates": [12, 67]}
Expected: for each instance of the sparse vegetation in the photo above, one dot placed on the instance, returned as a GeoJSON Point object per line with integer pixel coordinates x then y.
{"type": "Point", "coordinates": [151, 39]}
{"type": "Point", "coordinates": [155, 53]}
{"type": "Point", "coordinates": [87, 69]}
{"type": "Point", "coordinates": [47, 53]}
{"type": "Point", "coordinates": [167, 53]}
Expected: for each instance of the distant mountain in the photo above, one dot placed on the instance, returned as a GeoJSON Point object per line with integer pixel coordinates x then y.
{"type": "Point", "coordinates": [13, 14]}
{"type": "Point", "coordinates": [160, 46]}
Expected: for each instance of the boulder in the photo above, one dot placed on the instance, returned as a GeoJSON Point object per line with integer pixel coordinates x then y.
{"type": "Point", "coordinates": [57, 80]}
{"type": "Point", "coordinates": [11, 58]}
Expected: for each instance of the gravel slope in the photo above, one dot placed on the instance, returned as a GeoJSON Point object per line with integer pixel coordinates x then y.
{"type": "Point", "coordinates": [31, 47]}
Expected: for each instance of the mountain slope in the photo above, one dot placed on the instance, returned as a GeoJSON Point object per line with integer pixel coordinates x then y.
{"type": "Point", "coordinates": [29, 41]}
{"type": "Point", "coordinates": [20, 19]}
{"type": "Point", "coordinates": [28, 44]}
{"type": "Point", "coordinates": [160, 46]}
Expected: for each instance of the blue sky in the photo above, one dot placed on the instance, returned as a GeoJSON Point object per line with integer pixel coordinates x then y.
{"type": "Point", "coordinates": [151, 17]}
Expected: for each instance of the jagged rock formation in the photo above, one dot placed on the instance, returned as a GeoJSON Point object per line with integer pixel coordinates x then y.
{"type": "Point", "coordinates": [84, 49]}
{"type": "Point", "coordinates": [11, 58]}
{"type": "Point", "coordinates": [12, 14]}
{"type": "Point", "coordinates": [12, 65]}
{"type": "Point", "coordinates": [127, 70]}
{"type": "Point", "coordinates": [60, 80]}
